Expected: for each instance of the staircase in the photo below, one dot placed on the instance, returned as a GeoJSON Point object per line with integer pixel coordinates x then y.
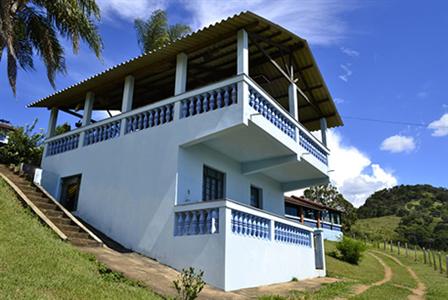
{"type": "Point", "coordinates": [48, 209]}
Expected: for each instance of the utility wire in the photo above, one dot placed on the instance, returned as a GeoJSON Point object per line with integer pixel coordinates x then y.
{"type": "Point", "coordinates": [391, 122]}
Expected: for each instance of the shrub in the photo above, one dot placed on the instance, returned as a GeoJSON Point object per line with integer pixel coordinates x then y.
{"type": "Point", "coordinates": [350, 250]}
{"type": "Point", "coordinates": [189, 284]}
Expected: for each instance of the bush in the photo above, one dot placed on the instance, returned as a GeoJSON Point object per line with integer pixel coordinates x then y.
{"type": "Point", "coordinates": [189, 284]}
{"type": "Point", "coordinates": [350, 250]}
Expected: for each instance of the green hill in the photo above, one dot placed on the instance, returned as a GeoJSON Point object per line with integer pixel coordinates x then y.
{"type": "Point", "coordinates": [422, 211]}
{"type": "Point", "coordinates": [382, 228]}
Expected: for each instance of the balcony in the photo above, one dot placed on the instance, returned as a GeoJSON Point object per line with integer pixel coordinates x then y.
{"type": "Point", "coordinates": [222, 115]}
{"type": "Point", "coordinates": [239, 237]}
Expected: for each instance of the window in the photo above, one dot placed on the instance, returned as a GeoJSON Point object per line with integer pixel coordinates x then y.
{"type": "Point", "coordinates": [291, 210]}
{"type": "Point", "coordinates": [255, 197]}
{"type": "Point", "coordinates": [213, 184]}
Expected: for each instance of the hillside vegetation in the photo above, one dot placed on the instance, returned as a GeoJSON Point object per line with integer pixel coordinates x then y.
{"type": "Point", "coordinates": [423, 210]}
{"type": "Point", "coordinates": [36, 264]}
{"type": "Point", "coordinates": [382, 228]}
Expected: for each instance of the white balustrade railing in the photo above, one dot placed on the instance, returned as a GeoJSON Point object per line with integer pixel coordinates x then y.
{"type": "Point", "coordinates": [63, 144]}
{"type": "Point", "coordinates": [205, 99]}
{"type": "Point", "coordinates": [241, 220]}
{"type": "Point", "coordinates": [209, 101]}
{"type": "Point", "coordinates": [150, 118]}
{"type": "Point", "coordinates": [102, 132]}
{"type": "Point", "coordinates": [202, 221]}
{"type": "Point", "coordinates": [291, 234]}
{"type": "Point", "coordinates": [246, 224]}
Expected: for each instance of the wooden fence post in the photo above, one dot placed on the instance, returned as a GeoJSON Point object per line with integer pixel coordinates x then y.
{"type": "Point", "coordinates": [391, 247]}
{"type": "Point", "coordinates": [434, 261]}
{"type": "Point", "coordinates": [406, 247]}
{"type": "Point", "coordinates": [415, 253]}
{"type": "Point", "coordinates": [440, 262]}
{"type": "Point", "coordinates": [398, 248]}
{"type": "Point", "coordinates": [424, 256]}
{"type": "Point", "coordinates": [446, 262]}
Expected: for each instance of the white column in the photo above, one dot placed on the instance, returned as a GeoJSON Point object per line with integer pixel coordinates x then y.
{"type": "Point", "coordinates": [88, 106]}
{"type": "Point", "coordinates": [323, 130]}
{"type": "Point", "coordinates": [128, 96]}
{"type": "Point", "coordinates": [242, 53]}
{"type": "Point", "coordinates": [293, 101]}
{"type": "Point", "coordinates": [181, 74]}
{"type": "Point", "coordinates": [52, 122]}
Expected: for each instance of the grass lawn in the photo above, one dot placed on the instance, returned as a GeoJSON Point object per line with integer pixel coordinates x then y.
{"type": "Point", "coordinates": [377, 228]}
{"type": "Point", "coordinates": [36, 264]}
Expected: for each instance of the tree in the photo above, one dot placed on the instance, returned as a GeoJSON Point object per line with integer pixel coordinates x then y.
{"type": "Point", "coordinates": [156, 32]}
{"type": "Point", "coordinates": [329, 196]}
{"type": "Point", "coordinates": [24, 146]}
{"type": "Point", "coordinates": [32, 27]}
{"type": "Point", "coordinates": [60, 129]}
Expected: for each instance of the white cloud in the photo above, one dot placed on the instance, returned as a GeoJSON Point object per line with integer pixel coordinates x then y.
{"type": "Point", "coordinates": [354, 174]}
{"type": "Point", "coordinates": [130, 9]}
{"type": "Point", "coordinates": [347, 72]}
{"type": "Point", "coordinates": [320, 22]}
{"type": "Point", "coordinates": [338, 100]}
{"type": "Point", "coordinates": [349, 52]}
{"type": "Point", "coordinates": [398, 144]}
{"type": "Point", "coordinates": [440, 126]}
{"type": "Point", "coordinates": [422, 94]}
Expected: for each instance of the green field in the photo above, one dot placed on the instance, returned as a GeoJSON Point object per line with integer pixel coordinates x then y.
{"type": "Point", "coordinates": [35, 264]}
{"type": "Point", "coordinates": [382, 228]}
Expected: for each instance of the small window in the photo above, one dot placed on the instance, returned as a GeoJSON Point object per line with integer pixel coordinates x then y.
{"type": "Point", "coordinates": [291, 210]}
{"type": "Point", "coordinates": [255, 197]}
{"type": "Point", "coordinates": [213, 184]}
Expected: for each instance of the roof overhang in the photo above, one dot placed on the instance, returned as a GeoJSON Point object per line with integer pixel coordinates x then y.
{"type": "Point", "coordinates": [159, 65]}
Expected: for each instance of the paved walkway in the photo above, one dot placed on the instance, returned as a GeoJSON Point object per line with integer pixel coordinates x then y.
{"type": "Point", "coordinates": [159, 277]}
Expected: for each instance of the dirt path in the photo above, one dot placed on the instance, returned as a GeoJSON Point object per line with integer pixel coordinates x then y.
{"type": "Point", "coordinates": [359, 289]}
{"type": "Point", "coordinates": [419, 292]}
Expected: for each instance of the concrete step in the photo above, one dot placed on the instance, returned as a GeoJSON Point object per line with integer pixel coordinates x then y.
{"type": "Point", "coordinates": [46, 205]}
{"type": "Point", "coordinates": [84, 242]}
{"type": "Point", "coordinates": [61, 221]}
{"type": "Point", "coordinates": [51, 213]}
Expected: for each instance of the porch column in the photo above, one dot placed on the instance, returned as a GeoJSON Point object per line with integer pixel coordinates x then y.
{"type": "Point", "coordinates": [181, 74]}
{"type": "Point", "coordinates": [323, 130]}
{"type": "Point", "coordinates": [293, 101]}
{"type": "Point", "coordinates": [301, 216]}
{"type": "Point", "coordinates": [126, 104]}
{"type": "Point", "coordinates": [52, 122]}
{"type": "Point", "coordinates": [318, 219]}
{"type": "Point", "coordinates": [88, 106]}
{"type": "Point", "coordinates": [242, 53]}
{"type": "Point", "coordinates": [87, 117]}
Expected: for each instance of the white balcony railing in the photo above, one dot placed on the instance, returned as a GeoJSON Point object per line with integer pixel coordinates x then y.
{"type": "Point", "coordinates": [203, 218]}
{"type": "Point", "coordinates": [200, 101]}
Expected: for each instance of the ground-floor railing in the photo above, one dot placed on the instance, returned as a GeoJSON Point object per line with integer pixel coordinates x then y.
{"type": "Point", "coordinates": [242, 220]}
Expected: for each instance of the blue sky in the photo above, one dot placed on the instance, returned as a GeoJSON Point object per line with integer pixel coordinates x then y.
{"type": "Point", "coordinates": [383, 60]}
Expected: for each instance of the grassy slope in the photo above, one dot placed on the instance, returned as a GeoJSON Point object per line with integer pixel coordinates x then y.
{"type": "Point", "coordinates": [35, 264]}
{"type": "Point", "coordinates": [377, 228]}
{"type": "Point", "coordinates": [369, 271]}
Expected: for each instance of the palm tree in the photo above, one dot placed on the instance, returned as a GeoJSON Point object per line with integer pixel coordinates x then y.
{"type": "Point", "coordinates": [32, 27]}
{"type": "Point", "coordinates": [155, 31]}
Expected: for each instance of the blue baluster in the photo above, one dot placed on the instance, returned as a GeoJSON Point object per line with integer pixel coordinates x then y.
{"type": "Point", "coordinates": [209, 221]}
{"type": "Point", "coordinates": [218, 98]}
{"type": "Point", "coordinates": [184, 109]}
{"type": "Point", "coordinates": [162, 115]}
{"type": "Point", "coordinates": [226, 96]}
{"type": "Point", "coordinates": [179, 224]}
{"type": "Point", "coordinates": [194, 223]}
{"type": "Point", "coordinates": [212, 100]}
{"type": "Point", "coordinates": [198, 104]}
{"type": "Point", "coordinates": [156, 116]}
{"type": "Point", "coordinates": [215, 221]}
{"type": "Point", "coordinates": [190, 106]}
{"type": "Point", "coordinates": [251, 98]}
{"type": "Point", "coordinates": [233, 222]}
{"type": "Point", "coordinates": [233, 95]}
{"type": "Point", "coordinates": [205, 102]}
{"type": "Point", "coordinates": [257, 103]}
{"type": "Point", "coordinates": [167, 113]}
{"type": "Point", "coordinates": [187, 223]}
{"type": "Point", "coordinates": [201, 223]}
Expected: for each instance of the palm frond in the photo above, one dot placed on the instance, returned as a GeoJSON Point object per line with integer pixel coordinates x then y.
{"type": "Point", "coordinates": [178, 31]}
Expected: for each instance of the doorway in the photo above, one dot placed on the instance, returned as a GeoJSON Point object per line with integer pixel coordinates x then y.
{"type": "Point", "coordinates": [70, 191]}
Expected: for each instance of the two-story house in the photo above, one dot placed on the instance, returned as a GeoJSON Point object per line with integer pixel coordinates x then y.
{"type": "Point", "coordinates": [214, 129]}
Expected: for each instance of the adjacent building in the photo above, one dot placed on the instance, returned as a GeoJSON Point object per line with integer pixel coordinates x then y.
{"type": "Point", "coordinates": [214, 129]}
